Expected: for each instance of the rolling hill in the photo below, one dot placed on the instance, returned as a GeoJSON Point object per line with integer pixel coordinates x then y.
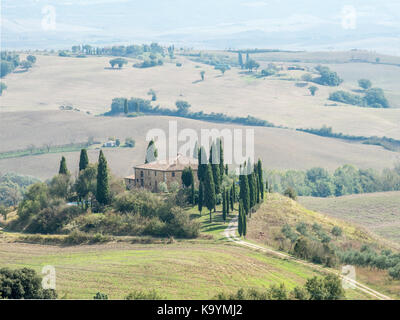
{"type": "Point", "coordinates": [279, 148]}
{"type": "Point", "coordinates": [89, 85]}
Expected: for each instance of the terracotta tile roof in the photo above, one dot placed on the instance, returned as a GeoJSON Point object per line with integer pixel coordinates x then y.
{"type": "Point", "coordinates": [176, 164]}
{"type": "Point", "coordinates": [132, 177]}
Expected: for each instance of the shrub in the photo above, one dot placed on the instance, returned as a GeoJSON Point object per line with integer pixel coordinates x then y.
{"type": "Point", "coordinates": [63, 54]}
{"type": "Point", "coordinates": [129, 143]}
{"type": "Point", "coordinates": [118, 61]}
{"type": "Point", "coordinates": [346, 97]}
{"type": "Point", "coordinates": [301, 227]}
{"type": "Point", "coordinates": [328, 288]}
{"type": "Point", "coordinates": [365, 84]}
{"type": "Point", "coordinates": [100, 296]}
{"type": "Point", "coordinates": [327, 77]}
{"type": "Point", "coordinates": [51, 220]}
{"type": "Point", "coordinates": [23, 284]}
{"type": "Point", "coordinates": [375, 98]}
{"type": "Point", "coordinates": [3, 87]}
{"type": "Point", "coordinates": [290, 193]}
{"type": "Point", "coordinates": [337, 231]}
{"type": "Point", "coordinates": [395, 271]}
{"type": "Point", "coordinates": [144, 295]}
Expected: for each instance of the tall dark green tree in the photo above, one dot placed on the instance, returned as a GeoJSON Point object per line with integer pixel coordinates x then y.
{"type": "Point", "coordinates": [202, 168]}
{"type": "Point", "coordinates": [244, 224]}
{"type": "Point", "coordinates": [227, 201]}
{"type": "Point", "coordinates": [200, 200]}
{"type": "Point", "coordinates": [83, 160]}
{"type": "Point", "coordinates": [126, 110]}
{"type": "Point", "coordinates": [214, 161]}
{"type": "Point", "coordinates": [196, 151]}
{"type": "Point", "coordinates": [103, 188]}
{"type": "Point", "coordinates": [240, 219]}
{"type": "Point", "coordinates": [245, 191]}
{"type": "Point", "coordinates": [192, 192]}
{"type": "Point", "coordinates": [187, 177]}
{"type": "Point", "coordinates": [231, 198]}
{"type": "Point", "coordinates": [240, 60]}
{"type": "Point", "coordinates": [209, 190]}
{"type": "Point", "coordinates": [63, 166]}
{"type": "Point", "coordinates": [221, 159]}
{"type": "Point", "coordinates": [260, 178]}
{"type": "Point", "coordinates": [151, 152]}
{"type": "Point", "coordinates": [224, 205]}
{"type": "Point", "coordinates": [233, 192]}
{"type": "Point", "coordinates": [252, 190]}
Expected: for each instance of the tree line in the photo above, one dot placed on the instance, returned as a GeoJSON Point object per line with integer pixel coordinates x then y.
{"type": "Point", "coordinates": [95, 202]}
{"type": "Point", "coordinates": [345, 180]}
{"type": "Point", "coordinates": [138, 106]}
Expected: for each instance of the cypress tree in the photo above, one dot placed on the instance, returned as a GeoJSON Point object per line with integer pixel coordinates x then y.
{"type": "Point", "coordinates": [244, 225]}
{"type": "Point", "coordinates": [231, 198]}
{"type": "Point", "coordinates": [251, 189]}
{"type": "Point", "coordinates": [224, 207]}
{"type": "Point", "coordinates": [245, 192]}
{"type": "Point", "coordinates": [83, 160]}
{"type": "Point", "coordinates": [226, 169]}
{"type": "Point", "coordinates": [151, 152]}
{"type": "Point", "coordinates": [233, 192]}
{"type": "Point", "coordinates": [240, 220]}
{"type": "Point", "coordinates": [192, 191]}
{"type": "Point", "coordinates": [240, 58]}
{"type": "Point", "coordinates": [215, 168]}
{"type": "Point", "coordinates": [227, 201]}
{"type": "Point", "coordinates": [221, 159]}
{"type": "Point", "coordinates": [196, 151]}
{"type": "Point", "coordinates": [257, 187]}
{"type": "Point", "coordinates": [209, 190]}
{"type": "Point", "coordinates": [201, 197]}
{"type": "Point", "coordinates": [254, 178]}
{"type": "Point", "coordinates": [202, 168]}
{"type": "Point", "coordinates": [126, 110]}
{"type": "Point", "coordinates": [260, 178]}
{"type": "Point", "coordinates": [63, 166]}
{"type": "Point", "coordinates": [103, 188]}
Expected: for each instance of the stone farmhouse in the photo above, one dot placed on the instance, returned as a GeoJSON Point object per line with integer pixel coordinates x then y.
{"type": "Point", "coordinates": [150, 175]}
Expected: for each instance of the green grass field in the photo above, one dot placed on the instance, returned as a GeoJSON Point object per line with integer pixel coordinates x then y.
{"type": "Point", "coordinates": [183, 269]}
{"type": "Point", "coordinates": [173, 270]}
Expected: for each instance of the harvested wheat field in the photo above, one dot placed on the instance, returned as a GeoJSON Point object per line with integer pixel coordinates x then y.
{"type": "Point", "coordinates": [89, 84]}
{"type": "Point", "coordinates": [279, 148]}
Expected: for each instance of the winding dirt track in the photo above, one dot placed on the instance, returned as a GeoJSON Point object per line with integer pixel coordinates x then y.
{"type": "Point", "coordinates": [230, 234]}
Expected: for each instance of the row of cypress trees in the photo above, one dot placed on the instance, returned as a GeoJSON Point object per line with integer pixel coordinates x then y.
{"type": "Point", "coordinates": [210, 174]}
{"type": "Point", "coordinates": [103, 187]}
{"type": "Point", "coordinates": [251, 192]}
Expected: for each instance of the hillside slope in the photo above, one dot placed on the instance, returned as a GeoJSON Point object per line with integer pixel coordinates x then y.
{"type": "Point", "coordinates": [377, 212]}
{"type": "Point", "coordinates": [266, 227]}
{"type": "Point", "coordinates": [278, 148]}
{"type": "Point", "coordinates": [89, 84]}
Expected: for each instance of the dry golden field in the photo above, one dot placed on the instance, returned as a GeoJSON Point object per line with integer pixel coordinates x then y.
{"type": "Point", "coordinates": [279, 148]}
{"type": "Point", "coordinates": [89, 84]}
{"type": "Point", "coordinates": [377, 212]}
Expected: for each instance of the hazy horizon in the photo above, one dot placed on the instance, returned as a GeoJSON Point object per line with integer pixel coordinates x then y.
{"type": "Point", "coordinates": [284, 24]}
